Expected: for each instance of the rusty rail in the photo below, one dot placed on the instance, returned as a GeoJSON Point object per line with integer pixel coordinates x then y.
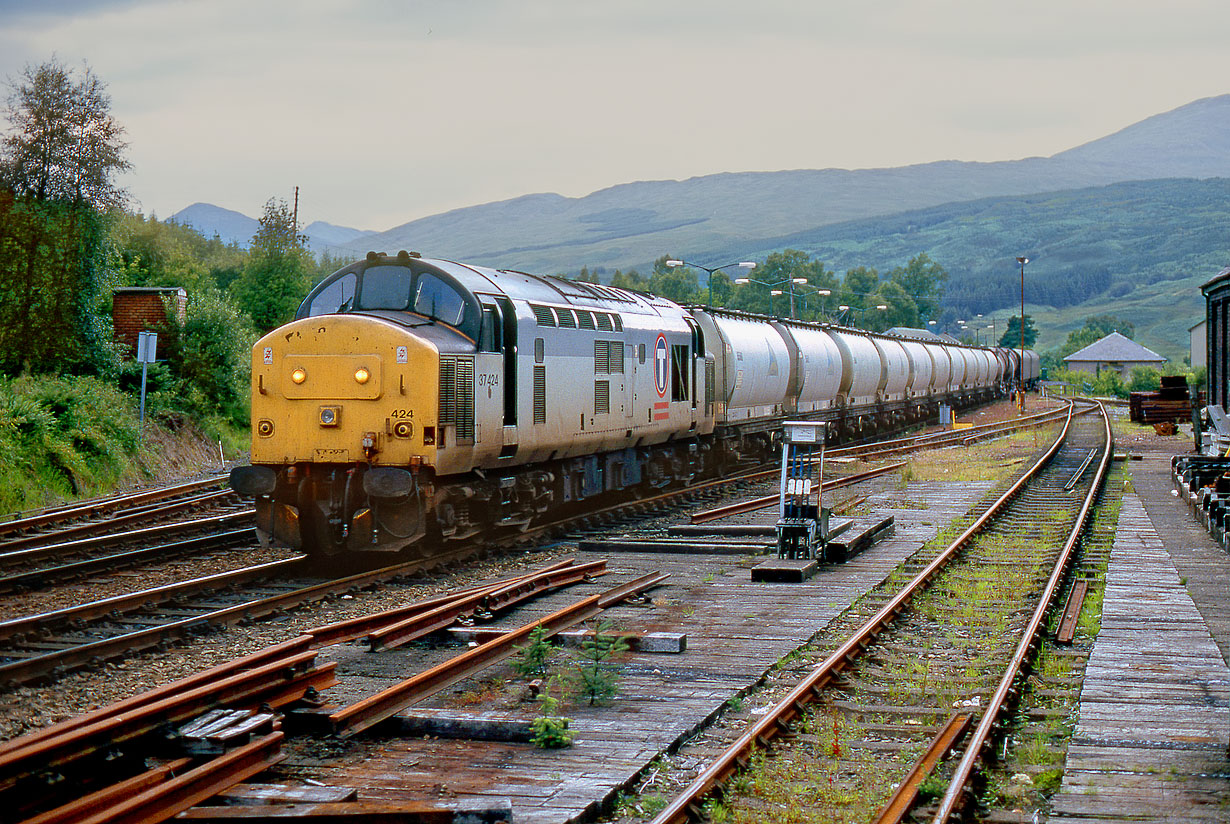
{"type": "Point", "coordinates": [99, 506]}
{"type": "Point", "coordinates": [895, 810]}
{"type": "Point", "coordinates": [370, 711]}
{"type": "Point", "coordinates": [354, 628]}
{"type": "Point", "coordinates": [494, 598]}
{"type": "Point", "coordinates": [13, 544]}
{"type": "Point", "coordinates": [284, 650]}
{"type": "Point", "coordinates": [109, 796]}
{"type": "Point", "coordinates": [21, 556]}
{"type": "Point", "coordinates": [276, 682]}
{"type": "Point", "coordinates": [769, 500]}
{"type": "Point", "coordinates": [1072, 612]}
{"type": "Point", "coordinates": [178, 794]}
{"type": "Point", "coordinates": [1029, 638]}
{"type": "Point", "coordinates": [90, 566]}
{"type": "Point", "coordinates": [779, 717]}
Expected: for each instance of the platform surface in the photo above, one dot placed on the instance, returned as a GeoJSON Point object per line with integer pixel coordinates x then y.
{"type": "Point", "coordinates": [1151, 742]}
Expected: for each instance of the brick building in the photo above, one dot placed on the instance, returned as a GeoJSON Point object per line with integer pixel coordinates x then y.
{"type": "Point", "coordinates": [136, 309]}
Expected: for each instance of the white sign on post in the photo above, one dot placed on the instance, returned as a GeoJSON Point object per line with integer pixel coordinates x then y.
{"type": "Point", "coordinates": [147, 347]}
{"type": "Point", "coordinates": [147, 353]}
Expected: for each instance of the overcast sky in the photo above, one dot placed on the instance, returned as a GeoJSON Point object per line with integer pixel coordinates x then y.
{"type": "Point", "coordinates": [383, 111]}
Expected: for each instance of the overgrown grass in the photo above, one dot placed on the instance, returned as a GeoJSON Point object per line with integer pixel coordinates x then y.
{"type": "Point", "coordinates": [987, 462]}
{"type": "Point", "coordinates": [62, 438]}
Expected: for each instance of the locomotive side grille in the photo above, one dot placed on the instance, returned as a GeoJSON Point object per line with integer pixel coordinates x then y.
{"type": "Point", "coordinates": [585, 319]}
{"type": "Point", "coordinates": [608, 356]}
{"type": "Point", "coordinates": [602, 353]}
{"type": "Point", "coordinates": [457, 397]}
{"type": "Point", "coordinates": [710, 380]}
{"type": "Point", "coordinates": [604, 322]}
{"type": "Point", "coordinates": [540, 394]}
{"type": "Point", "coordinates": [615, 356]}
{"type": "Point", "coordinates": [543, 315]}
{"type": "Point", "coordinates": [567, 320]}
{"type": "Point", "coordinates": [602, 397]}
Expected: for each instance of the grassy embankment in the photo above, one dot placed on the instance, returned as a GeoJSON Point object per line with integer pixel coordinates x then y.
{"type": "Point", "coordinates": [69, 438]}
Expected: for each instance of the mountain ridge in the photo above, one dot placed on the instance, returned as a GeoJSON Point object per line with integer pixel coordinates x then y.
{"type": "Point", "coordinates": [630, 224]}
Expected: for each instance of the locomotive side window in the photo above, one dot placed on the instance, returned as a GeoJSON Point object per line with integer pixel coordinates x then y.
{"type": "Point", "coordinates": [679, 372]}
{"type": "Point", "coordinates": [489, 333]}
{"type": "Point", "coordinates": [437, 299]}
{"type": "Point", "coordinates": [338, 296]}
{"type": "Point", "coordinates": [386, 287]}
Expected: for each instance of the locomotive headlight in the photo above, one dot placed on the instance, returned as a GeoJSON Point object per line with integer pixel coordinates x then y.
{"type": "Point", "coordinates": [330, 415]}
{"type": "Point", "coordinates": [298, 376]}
{"type": "Point", "coordinates": [361, 375]}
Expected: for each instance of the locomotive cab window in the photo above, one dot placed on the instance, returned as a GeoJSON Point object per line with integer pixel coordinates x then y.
{"type": "Point", "coordinates": [489, 333]}
{"type": "Point", "coordinates": [437, 299]}
{"type": "Point", "coordinates": [386, 287]}
{"type": "Point", "coordinates": [337, 296]}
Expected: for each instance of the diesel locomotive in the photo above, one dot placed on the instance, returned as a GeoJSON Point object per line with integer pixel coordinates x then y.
{"type": "Point", "coordinates": [414, 398]}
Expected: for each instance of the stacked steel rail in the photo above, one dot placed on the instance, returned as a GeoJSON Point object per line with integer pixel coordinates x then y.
{"type": "Point", "coordinates": [102, 754]}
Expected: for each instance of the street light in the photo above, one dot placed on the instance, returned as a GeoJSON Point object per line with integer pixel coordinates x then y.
{"type": "Point", "coordinates": [774, 285]}
{"type": "Point", "coordinates": [745, 264]}
{"type": "Point", "coordinates": [1020, 375]}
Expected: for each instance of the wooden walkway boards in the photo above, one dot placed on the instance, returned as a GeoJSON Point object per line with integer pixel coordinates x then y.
{"type": "Point", "coordinates": [1151, 743]}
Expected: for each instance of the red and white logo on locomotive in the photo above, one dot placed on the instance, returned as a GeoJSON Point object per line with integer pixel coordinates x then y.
{"type": "Point", "coordinates": [661, 365]}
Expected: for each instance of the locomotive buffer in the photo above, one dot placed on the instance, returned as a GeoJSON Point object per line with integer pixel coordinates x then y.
{"type": "Point", "coordinates": [803, 522]}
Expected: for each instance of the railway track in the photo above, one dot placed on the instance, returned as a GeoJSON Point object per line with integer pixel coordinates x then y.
{"type": "Point", "coordinates": [219, 727]}
{"type": "Point", "coordinates": [47, 645]}
{"type": "Point", "coordinates": [934, 658]}
{"type": "Point", "coordinates": [357, 715]}
{"type": "Point", "coordinates": [24, 528]}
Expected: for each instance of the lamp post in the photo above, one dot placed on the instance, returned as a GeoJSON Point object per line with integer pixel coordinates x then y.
{"type": "Point", "coordinates": [773, 290]}
{"type": "Point", "coordinates": [745, 264]}
{"type": "Point", "coordinates": [1020, 375]}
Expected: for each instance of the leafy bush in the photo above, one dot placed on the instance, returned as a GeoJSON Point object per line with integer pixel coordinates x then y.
{"type": "Point", "coordinates": [208, 358]}
{"type": "Point", "coordinates": [62, 437]}
{"type": "Point", "coordinates": [1145, 379]}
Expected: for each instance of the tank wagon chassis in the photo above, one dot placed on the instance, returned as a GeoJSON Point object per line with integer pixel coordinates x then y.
{"type": "Point", "coordinates": [415, 401]}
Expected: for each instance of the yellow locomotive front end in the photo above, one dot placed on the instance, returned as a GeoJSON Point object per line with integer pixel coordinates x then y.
{"type": "Point", "coordinates": [344, 424]}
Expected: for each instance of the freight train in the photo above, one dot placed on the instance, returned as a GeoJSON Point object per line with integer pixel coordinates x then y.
{"type": "Point", "coordinates": [414, 398]}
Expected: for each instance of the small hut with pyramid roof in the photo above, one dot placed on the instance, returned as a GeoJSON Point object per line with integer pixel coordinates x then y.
{"type": "Point", "coordinates": [1115, 351]}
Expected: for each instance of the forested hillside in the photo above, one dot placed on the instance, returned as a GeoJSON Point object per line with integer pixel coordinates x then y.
{"type": "Point", "coordinates": [1137, 250]}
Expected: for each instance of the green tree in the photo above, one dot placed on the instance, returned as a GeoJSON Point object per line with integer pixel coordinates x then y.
{"type": "Point", "coordinates": [57, 161]}
{"type": "Point", "coordinates": [63, 144]}
{"type": "Point", "coordinates": [209, 356]}
{"type": "Point", "coordinates": [722, 288]}
{"type": "Point", "coordinates": [856, 287]}
{"type": "Point", "coordinates": [630, 279]}
{"type": "Point", "coordinates": [677, 283]}
{"type": "Point", "coordinates": [278, 272]}
{"type": "Point", "coordinates": [922, 279]}
{"type": "Point", "coordinates": [1105, 324]}
{"type": "Point", "coordinates": [1012, 335]}
{"type": "Point", "coordinates": [901, 309]}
